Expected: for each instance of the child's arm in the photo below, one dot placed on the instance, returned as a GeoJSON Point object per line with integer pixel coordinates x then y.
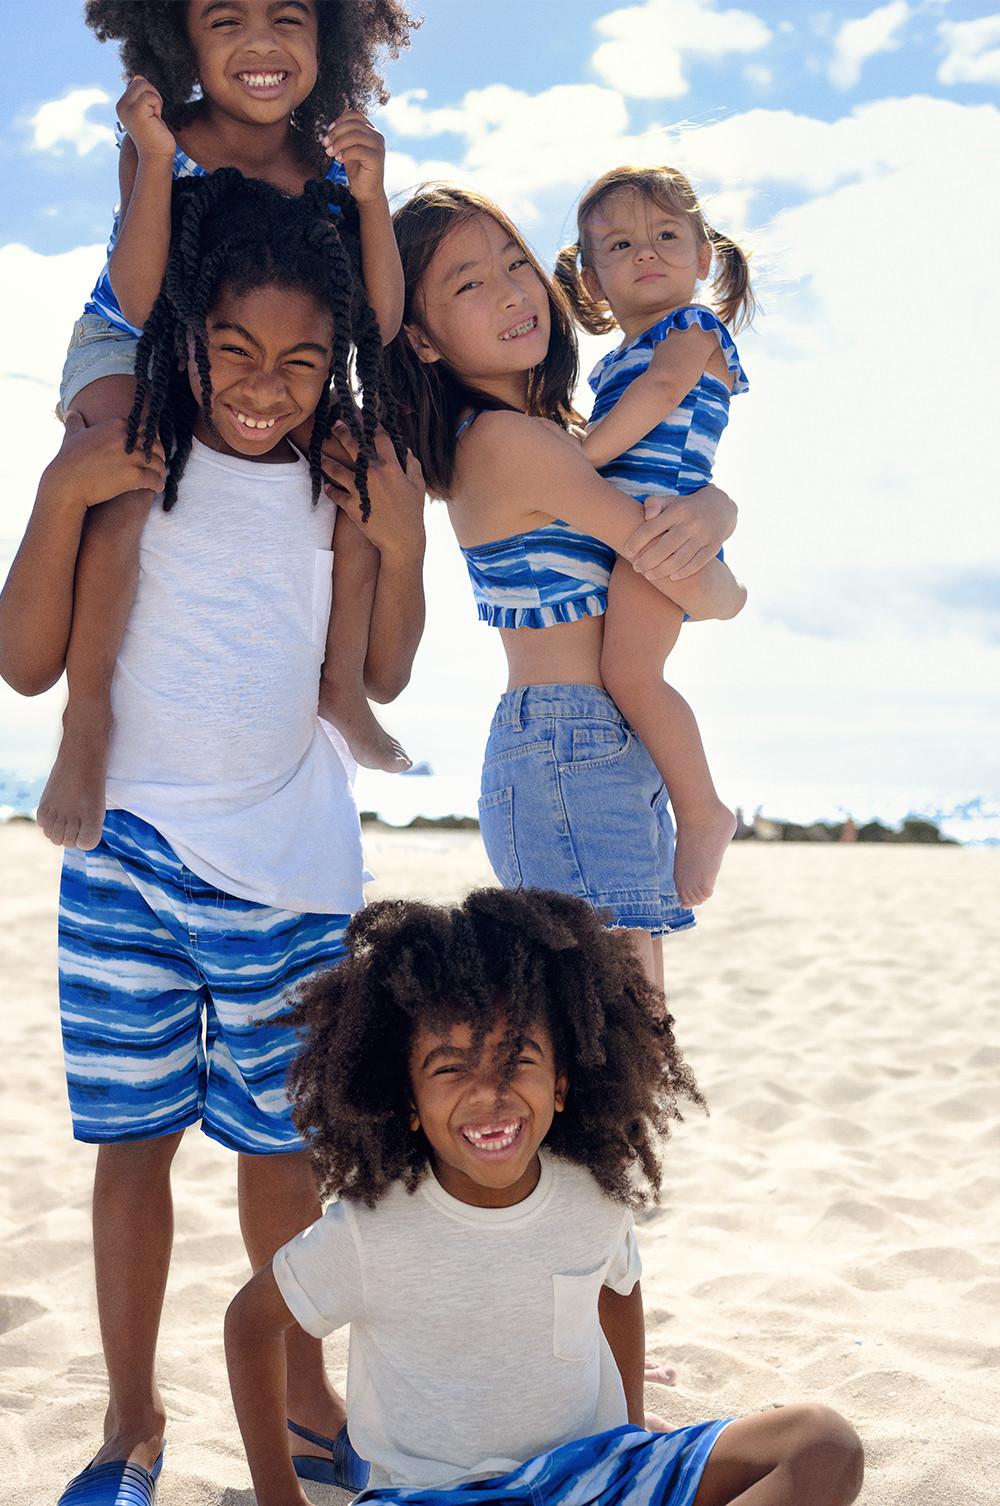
{"type": "Point", "coordinates": [145, 177]}
{"type": "Point", "coordinates": [255, 1353]}
{"type": "Point", "coordinates": [361, 149]}
{"type": "Point", "coordinates": [677, 363]}
{"type": "Point", "coordinates": [625, 1330]}
{"type": "Point", "coordinates": [36, 604]}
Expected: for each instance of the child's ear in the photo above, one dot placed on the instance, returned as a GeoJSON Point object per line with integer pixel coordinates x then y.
{"type": "Point", "coordinates": [592, 283]}
{"type": "Point", "coordinates": [414, 1120]}
{"type": "Point", "coordinates": [423, 349]}
{"type": "Point", "coordinates": [562, 1088]}
{"type": "Point", "coordinates": [704, 260]}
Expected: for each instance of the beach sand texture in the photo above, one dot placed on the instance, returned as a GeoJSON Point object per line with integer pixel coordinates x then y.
{"type": "Point", "coordinates": [828, 1234]}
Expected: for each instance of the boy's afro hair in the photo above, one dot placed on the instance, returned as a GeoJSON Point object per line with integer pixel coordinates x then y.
{"type": "Point", "coordinates": [516, 956]}
{"type": "Point", "coordinates": [352, 33]}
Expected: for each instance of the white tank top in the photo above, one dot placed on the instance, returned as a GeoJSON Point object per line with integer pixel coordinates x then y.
{"type": "Point", "coordinates": [217, 742]}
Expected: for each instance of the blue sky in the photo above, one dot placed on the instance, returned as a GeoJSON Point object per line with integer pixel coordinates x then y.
{"type": "Point", "coordinates": [850, 147]}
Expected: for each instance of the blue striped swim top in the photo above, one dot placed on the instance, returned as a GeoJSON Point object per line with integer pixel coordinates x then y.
{"type": "Point", "coordinates": [550, 574]}
{"type": "Point", "coordinates": [102, 300]}
{"type": "Point", "coordinates": [676, 457]}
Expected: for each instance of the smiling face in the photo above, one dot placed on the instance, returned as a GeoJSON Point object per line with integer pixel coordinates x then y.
{"type": "Point", "coordinates": [257, 59]}
{"type": "Point", "coordinates": [643, 257]}
{"type": "Point", "coordinates": [269, 353]}
{"type": "Point", "coordinates": [484, 1139]}
{"type": "Point", "coordinates": [483, 309]}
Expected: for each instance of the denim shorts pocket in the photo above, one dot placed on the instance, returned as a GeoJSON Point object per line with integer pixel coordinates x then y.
{"type": "Point", "coordinates": [596, 745]}
{"type": "Point", "coordinates": [575, 1318]}
{"type": "Point", "coordinates": [496, 826]}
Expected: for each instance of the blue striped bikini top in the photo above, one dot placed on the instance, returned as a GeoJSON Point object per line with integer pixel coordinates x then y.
{"type": "Point", "coordinates": [536, 579]}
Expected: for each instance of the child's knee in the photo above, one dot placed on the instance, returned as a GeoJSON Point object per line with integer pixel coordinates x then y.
{"type": "Point", "coordinates": [826, 1444]}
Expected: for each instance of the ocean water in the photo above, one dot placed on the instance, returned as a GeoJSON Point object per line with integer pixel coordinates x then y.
{"type": "Point", "coordinates": [398, 799]}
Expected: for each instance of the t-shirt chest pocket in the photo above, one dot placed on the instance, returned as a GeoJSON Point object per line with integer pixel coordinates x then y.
{"type": "Point", "coordinates": [575, 1320]}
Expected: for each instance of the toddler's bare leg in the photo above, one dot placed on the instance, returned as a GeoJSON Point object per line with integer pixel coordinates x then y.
{"type": "Point", "coordinates": [71, 811]}
{"type": "Point", "coordinates": [342, 698]}
{"type": "Point", "coordinates": [640, 629]}
{"type": "Point", "coordinates": [714, 594]}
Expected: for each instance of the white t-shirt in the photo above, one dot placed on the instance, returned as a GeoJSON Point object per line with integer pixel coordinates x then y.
{"type": "Point", "coordinates": [216, 741]}
{"type": "Point", "coordinates": [475, 1341]}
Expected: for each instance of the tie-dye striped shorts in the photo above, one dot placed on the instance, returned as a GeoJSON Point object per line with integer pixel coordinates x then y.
{"type": "Point", "coordinates": [174, 996]}
{"type": "Point", "coordinates": [625, 1465]}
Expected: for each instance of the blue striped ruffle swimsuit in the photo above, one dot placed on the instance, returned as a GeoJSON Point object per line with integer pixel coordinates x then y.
{"type": "Point", "coordinates": [676, 457]}
{"type": "Point", "coordinates": [102, 300]}
{"type": "Point", "coordinates": [536, 579]}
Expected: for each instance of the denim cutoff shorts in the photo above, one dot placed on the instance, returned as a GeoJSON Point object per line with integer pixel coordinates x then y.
{"type": "Point", "coordinates": [97, 348]}
{"type": "Point", "coordinates": [572, 801]}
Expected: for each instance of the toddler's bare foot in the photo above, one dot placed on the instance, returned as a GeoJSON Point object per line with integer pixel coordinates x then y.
{"type": "Point", "coordinates": [654, 1423]}
{"type": "Point", "coordinates": [701, 845]}
{"type": "Point", "coordinates": [659, 1375]}
{"type": "Point", "coordinates": [370, 744]}
{"type": "Point", "coordinates": [72, 808]}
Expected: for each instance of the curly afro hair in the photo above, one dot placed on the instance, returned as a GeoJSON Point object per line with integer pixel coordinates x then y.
{"type": "Point", "coordinates": [352, 33]}
{"type": "Point", "coordinates": [232, 232]}
{"type": "Point", "coordinates": [510, 956]}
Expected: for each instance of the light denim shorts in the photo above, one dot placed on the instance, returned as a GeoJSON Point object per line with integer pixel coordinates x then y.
{"type": "Point", "coordinates": [572, 801]}
{"type": "Point", "coordinates": [97, 348]}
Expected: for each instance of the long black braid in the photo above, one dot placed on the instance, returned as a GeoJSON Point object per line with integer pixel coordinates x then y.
{"type": "Point", "coordinates": [232, 232]}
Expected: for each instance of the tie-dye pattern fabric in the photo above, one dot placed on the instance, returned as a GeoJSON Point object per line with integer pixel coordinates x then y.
{"type": "Point", "coordinates": [536, 579]}
{"type": "Point", "coordinates": [677, 456]}
{"type": "Point", "coordinates": [174, 996]}
{"type": "Point", "coordinates": [103, 300]}
{"type": "Point", "coordinates": [625, 1467]}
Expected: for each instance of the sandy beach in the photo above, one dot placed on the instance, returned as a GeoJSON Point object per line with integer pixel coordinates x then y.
{"type": "Point", "coordinates": [830, 1233]}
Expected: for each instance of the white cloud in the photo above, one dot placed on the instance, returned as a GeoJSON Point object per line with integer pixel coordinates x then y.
{"type": "Point", "coordinates": [63, 122]}
{"type": "Point", "coordinates": [973, 51]}
{"type": "Point", "coordinates": [860, 39]}
{"type": "Point", "coordinates": [647, 44]}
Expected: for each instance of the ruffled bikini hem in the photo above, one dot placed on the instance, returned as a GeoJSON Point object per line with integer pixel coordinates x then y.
{"type": "Point", "coordinates": [594, 605]}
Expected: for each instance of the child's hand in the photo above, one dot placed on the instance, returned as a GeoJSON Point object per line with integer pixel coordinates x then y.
{"type": "Point", "coordinates": [358, 146]}
{"type": "Point", "coordinates": [396, 524]}
{"type": "Point", "coordinates": [93, 465]}
{"type": "Point", "coordinates": [140, 111]}
{"type": "Point", "coordinates": [681, 534]}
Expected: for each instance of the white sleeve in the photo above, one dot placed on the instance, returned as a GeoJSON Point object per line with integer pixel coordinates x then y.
{"type": "Point", "coordinates": [319, 1273]}
{"type": "Point", "coordinates": [626, 1266]}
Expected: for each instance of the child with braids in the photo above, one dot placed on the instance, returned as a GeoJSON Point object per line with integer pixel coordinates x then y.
{"type": "Point", "coordinates": [662, 402]}
{"type": "Point", "coordinates": [251, 84]}
{"type": "Point", "coordinates": [230, 859]}
{"type": "Point", "coordinates": [485, 1090]}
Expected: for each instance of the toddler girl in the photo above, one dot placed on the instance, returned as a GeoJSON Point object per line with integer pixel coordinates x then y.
{"type": "Point", "coordinates": [485, 1090]}
{"type": "Point", "coordinates": [662, 401]}
{"type": "Point", "coordinates": [251, 84]}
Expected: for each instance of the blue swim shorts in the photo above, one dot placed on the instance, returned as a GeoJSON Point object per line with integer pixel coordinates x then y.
{"type": "Point", "coordinates": [626, 1465]}
{"type": "Point", "coordinates": [174, 996]}
{"type": "Point", "coordinates": [572, 801]}
{"type": "Point", "coordinates": [97, 348]}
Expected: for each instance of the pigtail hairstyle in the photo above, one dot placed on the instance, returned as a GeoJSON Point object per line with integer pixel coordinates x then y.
{"type": "Point", "coordinates": [430, 396]}
{"type": "Point", "coordinates": [510, 957]}
{"type": "Point", "coordinates": [233, 232]}
{"type": "Point", "coordinates": [591, 314]}
{"type": "Point", "coordinates": [669, 189]}
{"type": "Point", "coordinates": [352, 37]}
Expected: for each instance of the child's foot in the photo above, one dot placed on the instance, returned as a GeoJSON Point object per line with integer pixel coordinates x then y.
{"type": "Point", "coordinates": [370, 744]}
{"type": "Point", "coordinates": [701, 846]}
{"type": "Point", "coordinates": [660, 1375]}
{"type": "Point", "coordinates": [72, 808]}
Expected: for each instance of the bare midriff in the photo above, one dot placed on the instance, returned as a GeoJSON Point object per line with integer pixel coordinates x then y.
{"type": "Point", "coordinates": [569, 653]}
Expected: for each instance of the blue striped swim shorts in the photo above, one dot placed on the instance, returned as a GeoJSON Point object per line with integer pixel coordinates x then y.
{"type": "Point", "coordinates": [625, 1465]}
{"type": "Point", "coordinates": [174, 996]}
